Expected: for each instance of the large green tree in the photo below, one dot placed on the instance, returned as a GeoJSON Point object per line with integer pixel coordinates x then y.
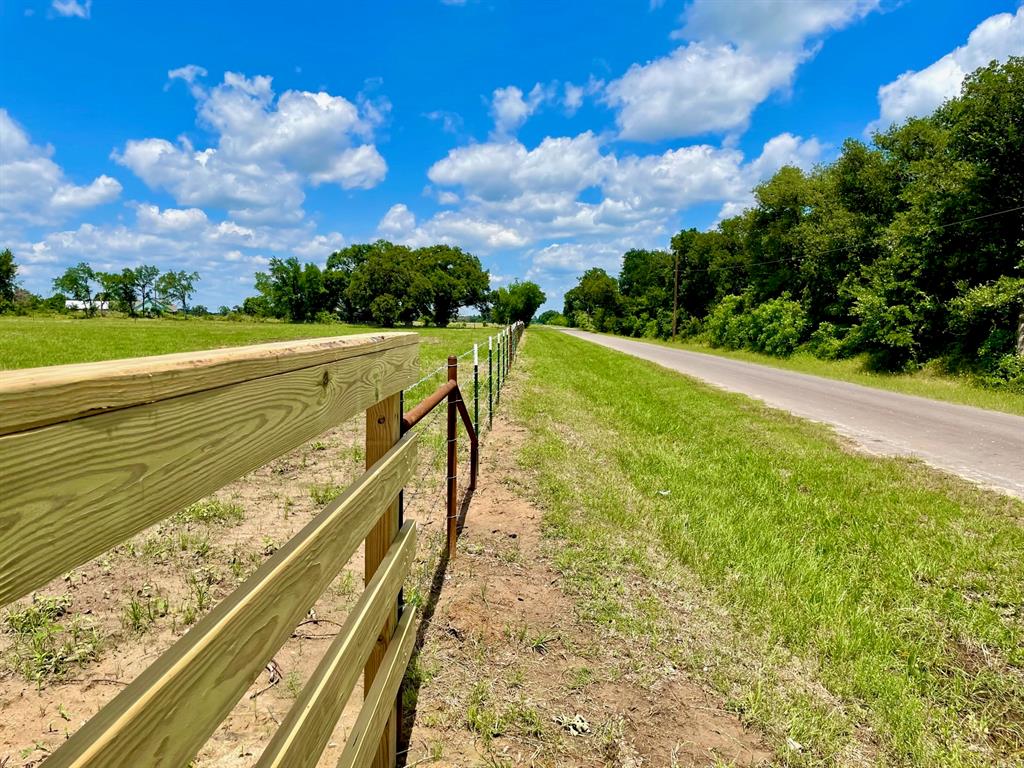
{"type": "Point", "coordinates": [178, 286]}
{"type": "Point", "coordinates": [456, 279]}
{"type": "Point", "coordinates": [517, 303]}
{"type": "Point", "coordinates": [78, 282]}
{"type": "Point", "coordinates": [385, 287]}
{"type": "Point", "coordinates": [291, 291]}
{"type": "Point", "coordinates": [121, 289]}
{"type": "Point", "coordinates": [145, 284]}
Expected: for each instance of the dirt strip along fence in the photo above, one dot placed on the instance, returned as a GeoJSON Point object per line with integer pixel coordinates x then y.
{"type": "Point", "coordinates": [163, 432]}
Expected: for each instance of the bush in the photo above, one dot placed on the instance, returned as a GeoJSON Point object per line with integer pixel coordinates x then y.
{"type": "Point", "coordinates": [829, 342]}
{"type": "Point", "coordinates": [776, 327]}
{"type": "Point", "coordinates": [726, 325]}
{"type": "Point", "coordinates": [1007, 373]}
{"type": "Point", "coordinates": [581, 319]}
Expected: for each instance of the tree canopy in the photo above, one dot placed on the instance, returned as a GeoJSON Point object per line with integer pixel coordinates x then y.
{"type": "Point", "coordinates": [378, 282]}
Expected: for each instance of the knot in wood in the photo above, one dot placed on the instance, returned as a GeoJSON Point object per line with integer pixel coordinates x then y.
{"type": "Point", "coordinates": [326, 378]}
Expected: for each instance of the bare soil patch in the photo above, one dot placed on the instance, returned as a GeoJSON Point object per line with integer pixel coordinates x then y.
{"type": "Point", "coordinates": [510, 675]}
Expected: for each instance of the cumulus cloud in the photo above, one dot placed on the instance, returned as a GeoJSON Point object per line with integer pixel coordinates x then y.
{"type": "Point", "coordinates": [510, 108]}
{"type": "Point", "coordinates": [506, 169]}
{"type": "Point", "coordinates": [572, 98]}
{"type": "Point", "coordinates": [697, 89]}
{"type": "Point", "coordinates": [72, 8]}
{"type": "Point", "coordinates": [513, 196]}
{"type": "Point", "coordinates": [769, 24]}
{"type": "Point", "coordinates": [267, 149]}
{"type": "Point", "coordinates": [34, 189]}
{"type": "Point", "coordinates": [225, 252]}
{"type": "Point", "coordinates": [916, 93]}
{"type": "Point", "coordinates": [452, 227]}
{"type": "Point", "coordinates": [737, 55]}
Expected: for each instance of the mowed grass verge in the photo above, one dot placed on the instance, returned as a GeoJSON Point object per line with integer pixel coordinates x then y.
{"type": "Point", "coordinates": [926, 382]}
{"type": "Point", "coordinates": [858, 610]}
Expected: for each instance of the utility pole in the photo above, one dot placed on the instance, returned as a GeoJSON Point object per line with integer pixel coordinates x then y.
{"type": "Point", "coordinates": [675, 300]}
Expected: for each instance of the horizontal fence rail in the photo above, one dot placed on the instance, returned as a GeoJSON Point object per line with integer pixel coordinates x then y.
{"type": "Point", "coordinates": [76, 488]}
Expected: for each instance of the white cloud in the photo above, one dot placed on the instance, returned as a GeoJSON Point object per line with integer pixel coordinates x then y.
{"type": "Point", "coordinates": [151, 218]}
{"type": "Point", "coordinates": [359, 167]}
{"type": "Point", "coordinates": [697, 89]}
{"type": "Point", "coordinates": [514, 196]}
{"type": "Point", "coordinates": [505, 169]}
{"type": "Point", "coordinates": [72, 8]}
{"type": "Point", "coordinates": [34, 189]}
{"type": "Point", "coordinates": [768, 25]}
{"type": "Point", "coordinates": [267, 149]}
{"type": "Point", "coordinates": [225, 253]}
{"type": "Point", "coordinates": [572, 99]}
{"type": "Point", "coordinates": [738, 54]}
{"type": "Point", "coordinates": [453, 227]}
{"type": "Point", "coordinates": [451, 122]}
{"type": "Point", "coordinates": [510, 109]}
{"type": "Point", "coordinates": [919, 93]}
{"type": "Point", "coordinates": [398, 222]}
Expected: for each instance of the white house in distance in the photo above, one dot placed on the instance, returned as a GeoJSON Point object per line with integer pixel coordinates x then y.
{"type": "Point", "coordinates": [96, 306]}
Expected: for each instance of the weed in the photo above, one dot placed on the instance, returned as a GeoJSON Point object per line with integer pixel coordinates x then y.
{"type": "Point", "coordinates": [211, 511]}
{"type": "Point", "coordinates": [47, 642]}
{"type": "Point", "coordinates": [324, 493]}
{"type": "Point", "coordinates": [293, 682]}
{"type": "Point", "coordinates": [141, 613]}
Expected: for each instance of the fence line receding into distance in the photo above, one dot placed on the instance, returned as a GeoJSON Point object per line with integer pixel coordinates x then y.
{"type": "Point", "coordinates": [163, 432]}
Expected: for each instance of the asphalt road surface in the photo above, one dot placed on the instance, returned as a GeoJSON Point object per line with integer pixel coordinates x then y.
{"type": "Point", "coordinates": [986, 447]}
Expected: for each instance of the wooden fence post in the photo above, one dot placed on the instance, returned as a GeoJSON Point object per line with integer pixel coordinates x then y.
{"type": "Point", "coordinates": [383, 429]}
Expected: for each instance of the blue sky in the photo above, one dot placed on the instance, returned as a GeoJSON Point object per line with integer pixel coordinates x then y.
{"type": "Point", "coordinates": [543, 137]}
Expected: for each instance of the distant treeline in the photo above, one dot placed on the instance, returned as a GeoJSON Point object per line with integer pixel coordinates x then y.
{"type": "Point", "coordinates": [142, 290]}
{"type": "Point", "coordinates": [388, 284]}
{"type": "Point", "coordinates": [907, 250]}
{"type": "Point", "coordinates": [380, 283]}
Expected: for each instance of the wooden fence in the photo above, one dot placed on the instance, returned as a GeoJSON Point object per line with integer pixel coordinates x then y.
{"type": "Point", "coordinates": [93, 454]}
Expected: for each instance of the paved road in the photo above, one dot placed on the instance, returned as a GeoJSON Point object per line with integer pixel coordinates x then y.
{"type": "Point", "coordinates": [986, 447]}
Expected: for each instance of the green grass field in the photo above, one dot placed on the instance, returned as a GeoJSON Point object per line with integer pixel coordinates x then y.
{"type": "Point", "coordinates": [860, 611]}
{"type": "Point", "coordinates": [28, 342]}
{"type": "Point", "coordinates": [927, 382]}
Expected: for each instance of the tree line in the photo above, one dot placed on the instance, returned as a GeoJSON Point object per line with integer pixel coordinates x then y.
{"type": "Point", "coordinates": [907, 249]}
{"type": "Point", "coordinates": [142, 290]}
{"type": "Point", "coordinates": [380, 283]}
{"type": "Point", "coordinates": [388, 284]}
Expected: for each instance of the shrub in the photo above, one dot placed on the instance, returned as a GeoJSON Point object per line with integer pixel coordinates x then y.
{"type": "Point", "coordinates": [829, 342]}
{"type": "Point", "coordinates": [1007, 373]}
{"type": "Point", "coordinates": [726, 325]}
{"type": "Point", "coordinates": [776, 327]}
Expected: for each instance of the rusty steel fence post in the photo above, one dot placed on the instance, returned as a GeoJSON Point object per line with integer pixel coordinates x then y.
{"type": "Point", "coordinates": [453, 458]}
{"type": "Point", "coordinates": [476, 390]}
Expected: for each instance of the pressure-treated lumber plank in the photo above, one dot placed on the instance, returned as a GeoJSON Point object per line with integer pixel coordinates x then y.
{"type": "Point", "coordinates": [361, 747]}
{"type": "Point", "coordinates": [383, 428]}
{"type": "Point", "coordinates": [165, 716]}
{"type": "Point", "coordinates": [71, 491]}
{"type": "Point", "coordinates": [33, 397]}
{"type": "Point", "coordinates": [302, 737]}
